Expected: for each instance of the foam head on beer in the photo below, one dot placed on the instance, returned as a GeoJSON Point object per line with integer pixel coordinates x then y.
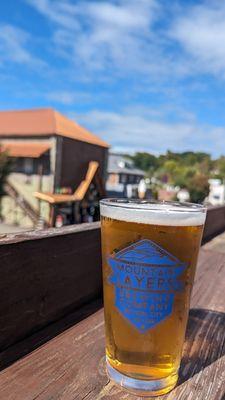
{"type": "Point", "coordinates": [164, 213]}
{"type": "Point", "coordinates": [149, 253]}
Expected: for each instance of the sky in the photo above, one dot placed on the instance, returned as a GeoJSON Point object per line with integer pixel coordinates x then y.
{"type": "Point", "coordinates": [145, 75]}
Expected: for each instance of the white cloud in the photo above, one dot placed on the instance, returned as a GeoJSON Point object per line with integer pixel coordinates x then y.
{"type": "Point", "coordinates": [107, 35]}
{"type": "Point", "coordinates": [14, 46]}
{"type": "Point", "coordinates": [63, 97]}
{"type": "Point", "coordinates": [141, 42]}
{"type": "Point", "coordinates": [60, 12]}
{"type": "Point", "coordinates": [130, 131]}
{"type": "Point", "coordinates": [121, 37]}
{"type": "Point", "coordinates": [124, 14]}
{"type": "Point", "coordinates": [67, 97]}
{"type": "Point", "coordinates": [201, 33]}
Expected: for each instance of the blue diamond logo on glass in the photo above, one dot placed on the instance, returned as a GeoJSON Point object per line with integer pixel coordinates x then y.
{"type": "Point", "coordinates": [146, 278]}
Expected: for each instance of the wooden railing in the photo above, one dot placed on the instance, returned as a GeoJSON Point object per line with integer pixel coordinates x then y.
{"type": "Point", "coordinates": [215, 223]}
{"type": "Point", "coordinates": [47, 275]}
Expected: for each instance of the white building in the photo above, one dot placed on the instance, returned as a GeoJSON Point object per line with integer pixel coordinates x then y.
{"type": "Point", "coordinates": [216, 192]}
{"type": "Point", "coordinates": [183, 195]}
{"type": "Point", "coordinates": [123, 177]}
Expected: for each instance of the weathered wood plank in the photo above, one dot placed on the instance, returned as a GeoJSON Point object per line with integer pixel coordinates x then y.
{"type": "Point", "coordinates": [71, 366]}
{"type": "Point", "coordinates": [45, 276]}
{"type": "Point", "coordinates": [32, 342]}
{"type": "Point", "coordinates": [217, 244]}
{"type": "Point", "coordinates": [209, 286]}
{"type": "Point", "coordinates": [12, 238]}
{"type": "Point", "coordinates": [215, 223]}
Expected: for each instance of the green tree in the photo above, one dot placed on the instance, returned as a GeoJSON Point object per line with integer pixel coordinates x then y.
{"type": "Point", "coordinates": [183, 175]}
{"type": "Point", "coordinates": [220, 165]}
{"type": "Point", "coordinates": [145, 161]}
{"type": "Point", "coordinates": [190, 170]}
{"type": "Point", "coordinates": [198, 187]}
{"type": "Point", "coordinates": [191, 158]}
{"type": "Point", "coordinates": [5, 169]}
{"type": "Point", "coordinates": [170, 167]}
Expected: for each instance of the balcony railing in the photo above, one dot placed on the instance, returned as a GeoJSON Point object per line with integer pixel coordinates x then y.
{"type": "Point", "coordinates": [55, 275]}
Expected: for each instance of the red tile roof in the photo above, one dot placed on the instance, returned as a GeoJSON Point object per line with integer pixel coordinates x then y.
{"type": "Point", "coordinates": [25, 149]}
{"type": "Point", "coordinates": [44, 122]}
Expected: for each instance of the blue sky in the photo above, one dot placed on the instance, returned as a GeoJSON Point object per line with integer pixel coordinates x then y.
{"type": "Point", "coordinates": [145, 75]}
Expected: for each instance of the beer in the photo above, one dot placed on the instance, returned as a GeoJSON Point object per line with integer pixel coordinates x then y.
{"type": "Point", "coordinates": [149, 255]}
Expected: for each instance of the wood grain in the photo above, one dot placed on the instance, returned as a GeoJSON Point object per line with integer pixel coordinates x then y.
{"type": "Point", "coordinates": [46, 276]}
{"type": "Point", "coordinates": [215, 223]}
{"type": "Point", "coordinates": [30, 343]}
{"type": "Point", "coordinates": [71, 366]}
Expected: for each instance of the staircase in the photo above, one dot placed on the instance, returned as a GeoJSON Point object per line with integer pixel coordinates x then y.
{"type": "Point", "coordinates": [33, 214]}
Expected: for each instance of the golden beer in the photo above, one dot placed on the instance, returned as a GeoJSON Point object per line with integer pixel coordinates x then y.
{"type": "Point", "coordinates": [149, 255]}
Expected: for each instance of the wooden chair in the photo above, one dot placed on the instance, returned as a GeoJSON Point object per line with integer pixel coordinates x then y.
{"type": "Point", "coordinates": [55, 199]}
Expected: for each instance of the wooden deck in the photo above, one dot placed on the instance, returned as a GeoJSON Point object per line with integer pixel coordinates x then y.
{"type": "Point", "coordinates": [52, 322]}
{"type": "Point", "coordinates": [71, 365]}
{"type": "Point", "coordinates": [217, 244]}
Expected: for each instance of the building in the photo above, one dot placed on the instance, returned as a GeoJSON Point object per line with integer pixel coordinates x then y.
{"type": "Point", "coordinates": [122, 176]}
{"type": "Point", "coordinates": [45, 137]}
{"type": "Point", "coordinates": [183, 195]}
{"type": "Point", "coordinates": [167, 194]}
{"type": "Point", "coordinates": [216, 192]}
{"type": "Point", "coordinates": [43, 142]}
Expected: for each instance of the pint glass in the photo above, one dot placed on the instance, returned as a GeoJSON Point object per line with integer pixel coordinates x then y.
{"type": "Point", "coordinates": [149, 252]}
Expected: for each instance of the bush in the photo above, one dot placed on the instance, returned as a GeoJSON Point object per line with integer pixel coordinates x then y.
{"type": "Point", "coordinates": [5, 169]}
{"type": "Point", "coordinates": [198, 188]}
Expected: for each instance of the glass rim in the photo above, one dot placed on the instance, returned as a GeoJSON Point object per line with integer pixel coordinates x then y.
{"type": "Point", "coordinates": [153, 205]}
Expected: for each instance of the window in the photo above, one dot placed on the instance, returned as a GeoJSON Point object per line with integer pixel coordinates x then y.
{"type": "Point", "coordinates": [28, 165]}
{"type": "Point", "coordinates": [123, 178]}
{"type": "Point", "coordinates": [132, 178]}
